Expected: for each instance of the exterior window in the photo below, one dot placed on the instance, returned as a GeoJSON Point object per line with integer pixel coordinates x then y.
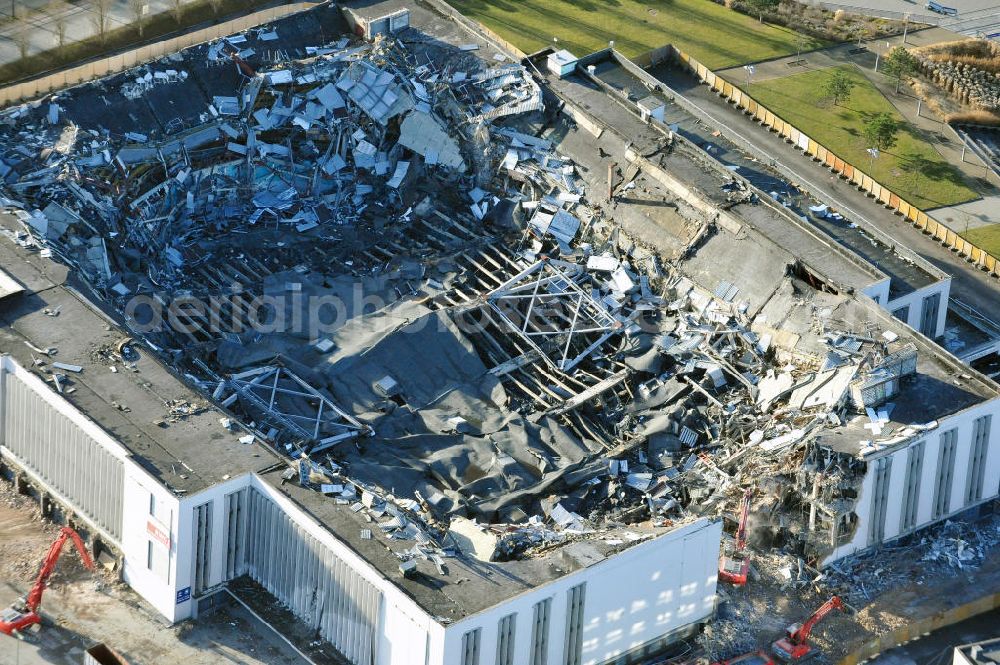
{"type": "Point", "coordinates": [880, 500]}
{"type": "Point", "coordinates": [903, 313]}
{"type": "Point", "coordinates": [149, 554]}
{"type": "Point", "coordinates": [929, 315]}
{"type": "Point", "coordinates": [505, 640]}
{"type": "Point", "coordinates": [540, 632]}
{"type": "Point", "coordinates": [911, 489]}
{"type": "Point", "coordinates": [977, 459]}
{"type": "Point", "coordinates": [470, 647]}
{"type": "Point", "coordinates": [574, 624]}
{"type": "Point", "coordinates": [945, 473]}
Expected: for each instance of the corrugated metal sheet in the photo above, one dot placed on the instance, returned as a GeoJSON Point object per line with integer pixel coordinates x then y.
{"type": "Point", "coordinates": [315, 584]}
{"type": "Point", "coordinates": [62, 454]}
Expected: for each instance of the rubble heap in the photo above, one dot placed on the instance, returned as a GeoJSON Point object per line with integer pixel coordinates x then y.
{"type": "Point", "coordinates": [371, 257]}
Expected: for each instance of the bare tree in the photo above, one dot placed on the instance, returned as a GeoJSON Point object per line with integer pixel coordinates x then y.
{"type": "Point", "coordinates": [59, 24]}
{"type": "Point", "coordinates": [177, 9]}
{"type": "Point", "coordinates": [138, 10]}
{"type": "Point", "coordinates": [22, 37]}
{"type": "Point", "coordinates": [101, 17]}
{"type": "Point", "coordinates": [216, 5]}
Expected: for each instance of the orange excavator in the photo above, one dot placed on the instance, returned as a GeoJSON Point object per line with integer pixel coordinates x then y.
{"type": "Point", "coordinates": [792, 649]}
{"type": "Point", "coordinates": [24, 613]}
{"type": "Point", "coordinates": [734, 568]}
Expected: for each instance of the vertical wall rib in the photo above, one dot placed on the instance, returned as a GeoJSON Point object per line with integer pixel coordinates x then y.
{"type": "Point", "coordinates": [70, 461]}
{"type": "Point", "coordinates": [312, 581]}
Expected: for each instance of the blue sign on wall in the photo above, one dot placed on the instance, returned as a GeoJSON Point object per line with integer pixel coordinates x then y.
{"type": "Point", "coordinates": [183, 595]}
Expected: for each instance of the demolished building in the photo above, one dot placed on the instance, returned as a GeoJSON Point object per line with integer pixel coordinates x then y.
{"type": "Point", "coordinates": [372, 343]}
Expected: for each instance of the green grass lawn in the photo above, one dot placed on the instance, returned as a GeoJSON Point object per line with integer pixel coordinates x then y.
{"type": "Point", "coordinates": [912, 168]}
{"type": "Point", "coordinates": [716, 36]}
{"type": "Point", "coordinates": [986, 237]}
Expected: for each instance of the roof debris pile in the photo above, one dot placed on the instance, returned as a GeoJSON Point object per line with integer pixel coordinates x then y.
{"type": "Point", "coordinates": [376, 258]}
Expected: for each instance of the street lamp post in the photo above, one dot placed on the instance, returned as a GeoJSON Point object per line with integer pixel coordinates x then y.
{"type": "Point", "coordinates": [872, 155]}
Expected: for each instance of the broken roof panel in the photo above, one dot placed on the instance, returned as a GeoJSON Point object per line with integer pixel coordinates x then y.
{"type": "Point", "coordinates": [423, 134]}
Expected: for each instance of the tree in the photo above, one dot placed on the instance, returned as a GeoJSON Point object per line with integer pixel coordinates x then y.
{"type": "Point", "coordinates": [22, 37]}
{"type": "Point", "coordinates": [216, 6]}
{"type": "Point", "coordinates": [880, 131]}
{"type": "Point", "coordinates": [839, 86]}
{"type": "Point", "coordinates": [761, 6]}
{"type": "Point", "coordinates": [899, 64]}
{"type": "Point", "coordinates": [101, 17]}
{"type": "Point", "coordinates": [177, 9]}
{"type": "Point", "coordinates": [60, 23]}
{"type": "Point", "coordinates": [138, 10]}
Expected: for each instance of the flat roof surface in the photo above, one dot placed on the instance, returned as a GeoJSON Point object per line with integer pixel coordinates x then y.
{"type": "Point", "coordinates": [468, 585]}
{"type": "Point", "coordinates": [821, 254]}
{"type": "Point", "coordinates": [186, 453]}
{"type": "Point", "coordinates": [942, 386]}
{"type": "Point", "coordinates": [986, 652]}
{"type": "Point", "coordinates": [905, 275]}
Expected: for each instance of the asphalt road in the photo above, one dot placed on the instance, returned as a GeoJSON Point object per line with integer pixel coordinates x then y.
{"type": "Point", "coordinates": [974, 16]}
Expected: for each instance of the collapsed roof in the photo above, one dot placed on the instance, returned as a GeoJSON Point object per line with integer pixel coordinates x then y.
{"type": "Point", "coordinates": [367, 259]}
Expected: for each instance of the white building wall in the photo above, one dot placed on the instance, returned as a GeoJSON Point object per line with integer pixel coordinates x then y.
{"type": "Point", "coordinates": [407, 634]}
{"type": "Point", "coordinates": [151, 573]}
{"type": "Point", "coordinates": [154, 578]}
{"type": "Point", "coordinates": [964, 423]}
{"type": "Point", "coordinates": [631, 599]}
{"type": "Point", "coordinates": [879, 291]}
{"type": "Point", "coordinates": [915, 302]}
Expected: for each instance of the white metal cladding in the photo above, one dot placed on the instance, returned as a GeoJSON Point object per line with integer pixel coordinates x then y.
{"type": "Point", "coordinates": [315, 584]}
{"type": "Point", "coordinates": [65, 457]}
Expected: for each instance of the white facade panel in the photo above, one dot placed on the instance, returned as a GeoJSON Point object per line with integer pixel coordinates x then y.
{"type": "Point", "coordinates": [64, 451]}
{"type": "Point", "coordinates": [633, 598]}
{"type": "Point", "coordinates": [963, 424]}
{"type": "Point", "coordinates": [150, 565]}
{"type": "Point", "coordinates": [914, 303]}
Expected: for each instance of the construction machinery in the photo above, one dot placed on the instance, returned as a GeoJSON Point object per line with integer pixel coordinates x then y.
{"type": "Point", "coordinates": [794, 647]}
{"type": "Point", "coordinates": [734, 567]}
{"type": "Point", "coordinates": [24, 613]}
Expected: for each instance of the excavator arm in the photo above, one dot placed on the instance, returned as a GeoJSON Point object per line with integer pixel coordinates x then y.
{"type": "Point", "coordinates": [741, 531]}
{"type": "Point", "coordinates": [801, 635]}
{"type": "Point", "coordinates": [35, 595]}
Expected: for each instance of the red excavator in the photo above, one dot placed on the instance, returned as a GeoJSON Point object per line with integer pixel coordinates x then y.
{"type": "Point", "coordinates": [734, 568]}
{"type": "Point", "coordinates": [24, 613]}
{"type": "Point", "coordinates": [794, 647]}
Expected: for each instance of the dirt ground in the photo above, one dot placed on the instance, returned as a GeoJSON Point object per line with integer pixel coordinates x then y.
{"type": "Point", "coordinates": [82, 608]}
{"type": "Point", "coordinates": [933, 571]}
{"type": "Point", "coordinates": [886, 589]}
